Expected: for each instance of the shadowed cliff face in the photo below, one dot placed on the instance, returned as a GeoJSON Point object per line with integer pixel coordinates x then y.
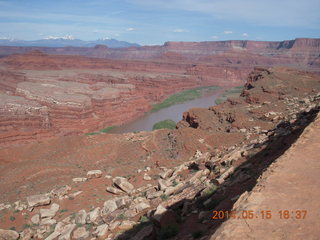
{"type": "Point", "coordinates": [46, 95]}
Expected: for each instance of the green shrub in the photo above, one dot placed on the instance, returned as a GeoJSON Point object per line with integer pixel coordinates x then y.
{"type": "Point", "coordinates": [164, 197]}
{"type": "Point", "coordinates": [107, 129]}
{"type": "Point", "coordinates": [144, 219]}
{"type": "Point", "coordinates": [208, 191]}
{"type": "Point", "coordinates": [232, 92]}
{"type": "Point", "coordinates": [170, 124]}
{"type": "Point", "coordinates": [181, 97]}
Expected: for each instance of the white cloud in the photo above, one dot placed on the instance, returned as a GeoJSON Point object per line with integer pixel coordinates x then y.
{"type": "Point", "coordinates": [227, 32]}
{"type": "Point", "coordinates": [130, 29]}
{"type": "Point", "coordinates": [180, 30]}
{"type": "Point", "coordinates": [214, 37]}
{"type": "Point", "coordinates": [244, 34]}
{"type": "Point", "coordinates": [282, 13]}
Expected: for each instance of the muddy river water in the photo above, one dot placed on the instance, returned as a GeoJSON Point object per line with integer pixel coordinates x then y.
{"type": "Point", "coordinates": [175, 112]}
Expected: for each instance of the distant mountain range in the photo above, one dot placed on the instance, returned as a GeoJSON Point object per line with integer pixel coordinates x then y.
{"type": "Point", "coordinates": [65, 42]}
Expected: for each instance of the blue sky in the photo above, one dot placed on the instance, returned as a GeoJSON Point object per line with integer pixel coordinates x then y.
{"type": "Point", "coordinates": [151, 22]}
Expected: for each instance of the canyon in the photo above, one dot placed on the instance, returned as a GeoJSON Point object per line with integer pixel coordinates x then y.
{"type": "Point", "coordinates": [52, 92]}
{"type": "Point", "coordinates": [166, 183]}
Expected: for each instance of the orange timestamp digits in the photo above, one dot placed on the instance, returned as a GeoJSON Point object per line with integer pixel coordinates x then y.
{"type": "Point", "coordinates": [263, 214]}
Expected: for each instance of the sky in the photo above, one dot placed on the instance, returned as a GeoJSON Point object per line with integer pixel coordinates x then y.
{"type": "Point", "coordinates": [151, 22]}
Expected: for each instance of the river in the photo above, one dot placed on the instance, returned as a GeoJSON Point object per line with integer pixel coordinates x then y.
{"type": "Point", "coordinates": [174, 112]}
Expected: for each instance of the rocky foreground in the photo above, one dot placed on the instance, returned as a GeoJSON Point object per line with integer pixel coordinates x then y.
{"type": "Point", "coordinates": [162, 184]}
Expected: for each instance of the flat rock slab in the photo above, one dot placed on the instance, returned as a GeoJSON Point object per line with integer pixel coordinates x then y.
{"type": "Point", "coordinates": [123, 184]}
{"type": "Point", "coordinates": [8, 235]}
{"type": "Point", "coordinates": [38, 200]}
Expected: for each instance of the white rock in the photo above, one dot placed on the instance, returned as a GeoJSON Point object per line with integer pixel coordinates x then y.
{"type": "Point", "coordinates": [48, 221]}
{"type": "Point", "coordinates": [38, 200]}
{"type": "Point", "coordinates": [101, 230]}
{"type": "Point", "coordinates": [141, 206]}
{"type": "Point", "coordinates": [94, 215]}
{"type": "Point", "coordinates": [60, 192]}
{"type": "Point", "coordinates": [166, 174]}
{"type": "Point", "coordinates": [80, 233]}
{"type": "Point", "coordinates": [49, 212]}
{"type": "Point", "coordinates": [8, 235]}
{"type": "Point", "coordinates": [147, 177]}
{"type": "Point", "coordinates": [122, 201]}
{"type": "Point", "coordinates": [75, 194]}
{"type": "Point", "coordinates": [59, 227]}
{"type": "Point", "coordinates": [126, 225]}
{"type": "Point", "coordinates": [53, 235]}
{"type": "Point", "coordinates": [123, 184]}
{"type": "Point", "coordinates": [66, 233]}
{"type": "Point", "coordinates": [35, 219]}
{"type": "Point", "coordinates": [81, 217]}
{"type": "Point", "coordinates": [110, 206]}
{"type": "Point", "coordinates": [114, 225]}
{"type": "Point", "coordinates": [159, 211]}
{"type": "Point", "coordinates": [77, 180]}
{"type": "Point", "coordinates": [162, 184]}
{"type": "Point", "coordinates": [94, 174]}
{"type": "Point", "coordinates": [114, 190]}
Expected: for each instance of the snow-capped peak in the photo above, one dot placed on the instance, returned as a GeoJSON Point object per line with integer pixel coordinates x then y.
{"type": "Point", "coordinates": [67, 37]}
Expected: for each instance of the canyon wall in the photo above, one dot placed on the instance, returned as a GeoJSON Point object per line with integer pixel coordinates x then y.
{"type": "Point", "coordinates": [46, 92]}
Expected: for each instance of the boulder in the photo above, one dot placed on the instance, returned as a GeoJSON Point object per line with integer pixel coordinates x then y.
{"type": "Point", "coordinates": [94, 216]}
{"type": "Point", "coordinates": [147, 177]}
{"type": "Point", "coordinates": [8, 235]}
{"type": "Point", "coordinates": [48, 221]}
{"type": "Point", "coordinates": [26, 234]}
{"type": "Point", "coordinates": [38, 200]}
{"type": "Point", "coordinates": [141, 206]}
{"type": "Point", "coordinates": [162, 184]}
{"type": "Point", "coordinates": [126, 225]}
{"type": "Point", "coordinates": [159, 211]}
{"type": "Point", "coordinates": [173, 190]}
{"type": "Point", "coordinates": [101, 230]}
{"type": "Point", "coordinates": [114, 225]}
{"type": "Point", "coordinates": [80, 233]}
{"type": "Point", "coordinates": [114, 190]}
{"type": "Point", "coordinates": [81, 217]}
{"type": "Point", "coordinates": [77, 180]}
{"type": "Point", "coordinates": [35, 219]}
{"type": "Point", "coordinates": [123, 201]}
{"type": "Point", "coordinates": [60, 192]}
{"type": "Point", "coordinates": [94, 174]}
{"type": "Point", "coordinates": [49, 212]}
{"type": "Point", "coordinates": [153, 194]}
{"type": "Point", "coordinates": [123, 184]}
{"type": "Point", "coordinates": [66, 233]}
{"type": "Point", "coordinates": [109, 206]}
